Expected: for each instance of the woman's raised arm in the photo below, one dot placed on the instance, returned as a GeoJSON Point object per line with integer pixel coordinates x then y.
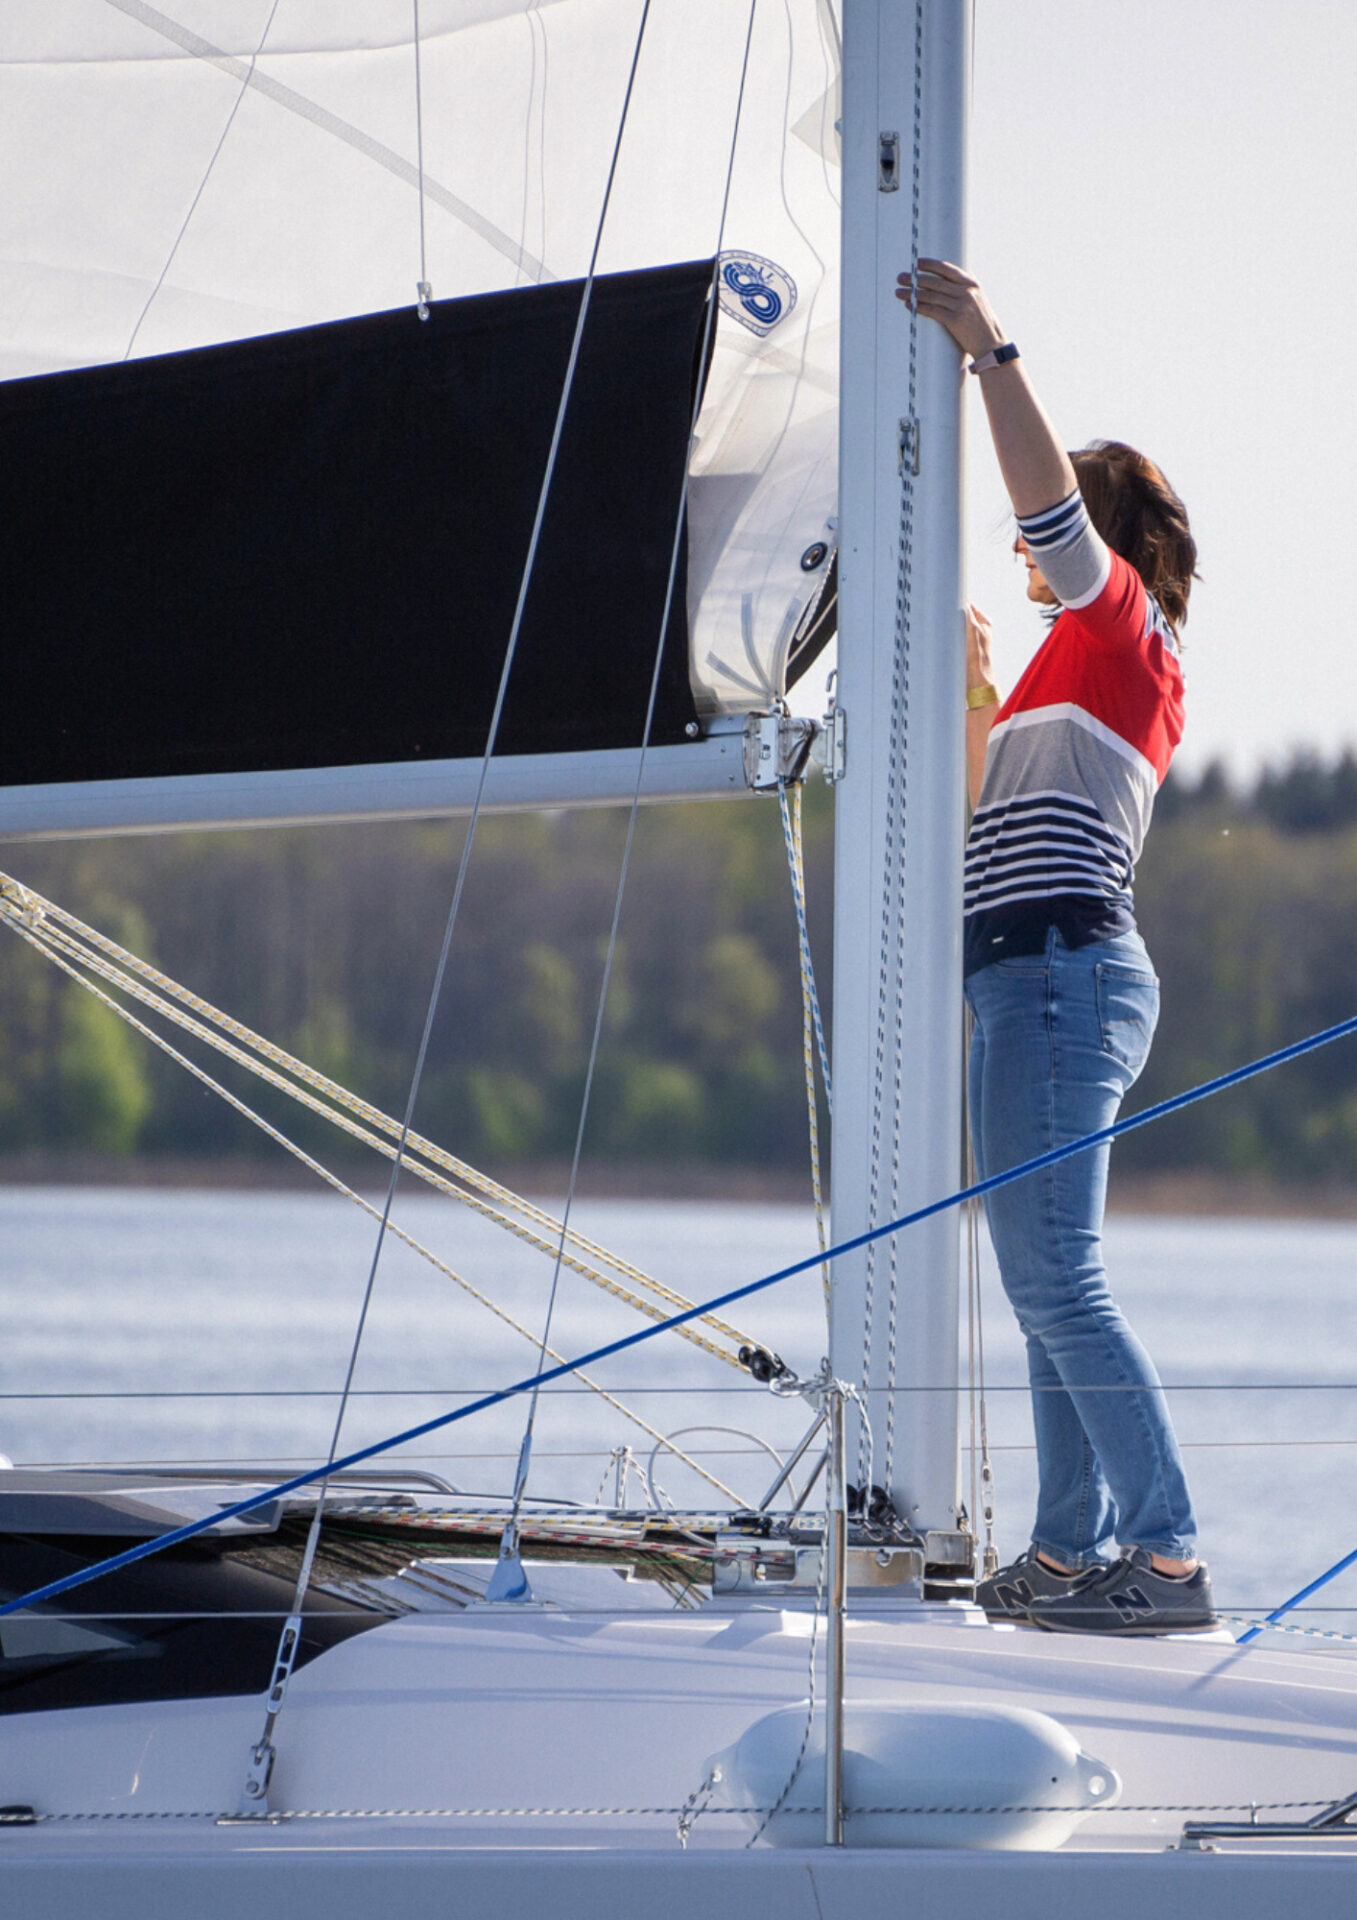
{"type": "Point", "coordinates": [1034, 464]}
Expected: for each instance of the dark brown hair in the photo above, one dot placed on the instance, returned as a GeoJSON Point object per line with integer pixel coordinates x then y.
{"type": "Point", "coordinates": [1139, 515]}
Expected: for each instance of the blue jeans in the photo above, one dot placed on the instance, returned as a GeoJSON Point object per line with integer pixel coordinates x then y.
{"type": "Point", "coordinates": [1059, 1037]}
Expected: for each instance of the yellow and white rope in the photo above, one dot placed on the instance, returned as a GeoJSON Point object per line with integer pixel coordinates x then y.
{"type": "Point", "coordinates": [50, 927]}
{"type": "Point", "coordinates": [789, 798]}
{"type": "Point", "coordinates": [256, 1119]}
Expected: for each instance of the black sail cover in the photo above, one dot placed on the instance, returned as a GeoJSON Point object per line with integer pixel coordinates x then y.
{"type": "Point", "coordinates": [305, 550]}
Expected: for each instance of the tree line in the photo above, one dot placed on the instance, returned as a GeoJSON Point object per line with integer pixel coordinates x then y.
{"type": "Point", "coordinates": [325, 939]}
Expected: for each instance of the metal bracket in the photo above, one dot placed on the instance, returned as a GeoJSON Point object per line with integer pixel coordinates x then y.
{"type": "Point", "coordinates": [254, 1795]}
{"type": "Point", "coordinates": [829, 749]}
{"type": "Point", "coordinates": [888, 163]}
{"type": "Point", "coordinates": [509, 1581]}
{"type": "Point", "coordinates": [1331, 1823]}
{"type": "Point", "coordinates": [776, 748]}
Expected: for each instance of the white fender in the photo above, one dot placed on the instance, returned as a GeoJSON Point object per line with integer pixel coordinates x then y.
{"type": "Point", "coordinates": [943, 1760]}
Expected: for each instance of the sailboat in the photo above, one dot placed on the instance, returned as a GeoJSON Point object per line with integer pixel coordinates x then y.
{"type": "Point", "coordinates": [617, 354]}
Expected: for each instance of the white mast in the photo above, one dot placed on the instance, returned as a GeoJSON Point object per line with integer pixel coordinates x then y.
{"type": "Point", "coordinates": [900, 807]}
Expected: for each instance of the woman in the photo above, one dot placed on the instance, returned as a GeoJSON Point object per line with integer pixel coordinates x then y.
{"type": "Point", "coordinates": [1063, 776]}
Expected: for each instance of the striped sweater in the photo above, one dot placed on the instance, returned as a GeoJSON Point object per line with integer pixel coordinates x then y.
{"type": "Point", "coordinates": [1076, 754]}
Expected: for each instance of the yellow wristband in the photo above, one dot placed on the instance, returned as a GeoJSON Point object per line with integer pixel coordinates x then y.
{"type": "Point", "coordinates": [982, 697]}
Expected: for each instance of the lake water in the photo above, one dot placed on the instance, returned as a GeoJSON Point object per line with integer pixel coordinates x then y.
{"type": "Point", "coordinates": [192, 1327]}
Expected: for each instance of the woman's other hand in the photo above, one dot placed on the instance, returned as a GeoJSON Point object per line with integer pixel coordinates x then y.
{"type": "Point", "coordinates": [957, 302]}
{"type": "Point", "coordinates": [979, 636]}
{"type": "Point", "coordinates": [979, 720]}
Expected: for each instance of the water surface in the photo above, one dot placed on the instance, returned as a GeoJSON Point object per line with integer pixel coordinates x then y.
{"type": "Point", "coordinates": [178, 1326]}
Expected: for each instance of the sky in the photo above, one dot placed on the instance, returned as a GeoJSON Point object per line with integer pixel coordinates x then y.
{"type": "Point", "coordinates": [1162, 211]}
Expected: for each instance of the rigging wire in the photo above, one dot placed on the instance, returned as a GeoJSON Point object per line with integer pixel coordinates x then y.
{"type": "Point", "coordinates": [425, 290]}
{"type": "Point", "coordinates": [508, 1546]}
{"type": "Point", "coordinates": [982, 1466]}
{"type": "Point", "coordinates": [256, 1786]}
{"type": "Point", "coordinates": [511, 649]}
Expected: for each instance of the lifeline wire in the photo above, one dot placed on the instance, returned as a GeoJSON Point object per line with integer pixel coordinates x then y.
{"type": "Point", "coordinates": [1055, 1154]}
{"type": "Point", "coordinates": [26, 1817]}
{"type": "Point", "coordinates": [521, 1478]}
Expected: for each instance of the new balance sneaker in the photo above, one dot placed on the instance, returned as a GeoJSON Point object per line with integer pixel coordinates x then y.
{"type": "Point", "coordinates": [1010, 1593]}
{"type": "Point", "coordinates": [1130, 1598]}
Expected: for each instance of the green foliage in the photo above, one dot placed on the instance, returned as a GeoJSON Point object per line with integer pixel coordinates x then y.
{"type": "Point", "coordinates": [504, 1114]}
{"type": "Point", "coordinates": [649, 1109]}
{"type": "Point", "coordinates": [326, 940]}
{"type": "Point", "coordinates": [102, 1093]}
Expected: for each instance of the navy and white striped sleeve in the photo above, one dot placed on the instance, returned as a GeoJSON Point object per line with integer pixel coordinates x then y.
{"type": "Point", "coordinates": [1073, 558]}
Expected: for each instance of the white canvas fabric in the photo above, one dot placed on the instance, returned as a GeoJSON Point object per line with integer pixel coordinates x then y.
{"type": "Point", "coordinates": [206, 170]}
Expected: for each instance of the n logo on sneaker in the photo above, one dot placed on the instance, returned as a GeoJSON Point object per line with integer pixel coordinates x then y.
{"type": "Point", "coordinates": [1131, 1602]}
{"type": "Point", "coordinates": [1015, 1596]}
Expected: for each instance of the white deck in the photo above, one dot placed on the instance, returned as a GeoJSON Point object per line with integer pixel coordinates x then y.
{"type": "Point", "coordinates": [500, 1708]}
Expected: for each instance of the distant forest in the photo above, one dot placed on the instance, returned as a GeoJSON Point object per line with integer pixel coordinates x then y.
{"type": "Point", "coordinates": [325, 939]}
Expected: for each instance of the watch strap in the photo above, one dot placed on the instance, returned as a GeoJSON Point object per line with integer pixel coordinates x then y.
{"type": "Point", "coordinates": [995, 358]}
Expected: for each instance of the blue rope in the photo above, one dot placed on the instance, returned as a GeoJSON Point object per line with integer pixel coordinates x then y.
{"type": "Point", "coordinates": [189, 1532]}
{"type": "Point", "coordinates": [1287, 1605]}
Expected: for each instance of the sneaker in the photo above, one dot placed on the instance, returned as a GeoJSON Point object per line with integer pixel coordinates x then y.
{"type": "Point", "coordinates": [1009, 1593]}
{"type": "Point", "coordinates": [1129, 1597]}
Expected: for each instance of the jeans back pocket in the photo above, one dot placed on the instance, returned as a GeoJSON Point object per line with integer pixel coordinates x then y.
{"type": "Point", "coordinates": [1128, 1011]}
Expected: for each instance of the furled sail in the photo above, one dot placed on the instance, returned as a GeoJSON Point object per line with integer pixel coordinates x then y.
{"type": "Point", "coordinates": [185, 179]}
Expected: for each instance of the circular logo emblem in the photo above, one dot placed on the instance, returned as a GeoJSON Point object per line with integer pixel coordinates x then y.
{"type": "Point", "coordinates": [755, 291]}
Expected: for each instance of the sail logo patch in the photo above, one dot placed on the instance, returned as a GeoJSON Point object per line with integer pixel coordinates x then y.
{"type": "Point", "coordinates": [754, 291]}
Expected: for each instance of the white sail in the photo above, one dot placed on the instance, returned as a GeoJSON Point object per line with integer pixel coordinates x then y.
{"type": "Point", "coordinates": [209, 170]}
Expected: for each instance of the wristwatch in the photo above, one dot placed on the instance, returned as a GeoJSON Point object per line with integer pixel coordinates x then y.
{"type": "Point", "coordinates": [995, 358]}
